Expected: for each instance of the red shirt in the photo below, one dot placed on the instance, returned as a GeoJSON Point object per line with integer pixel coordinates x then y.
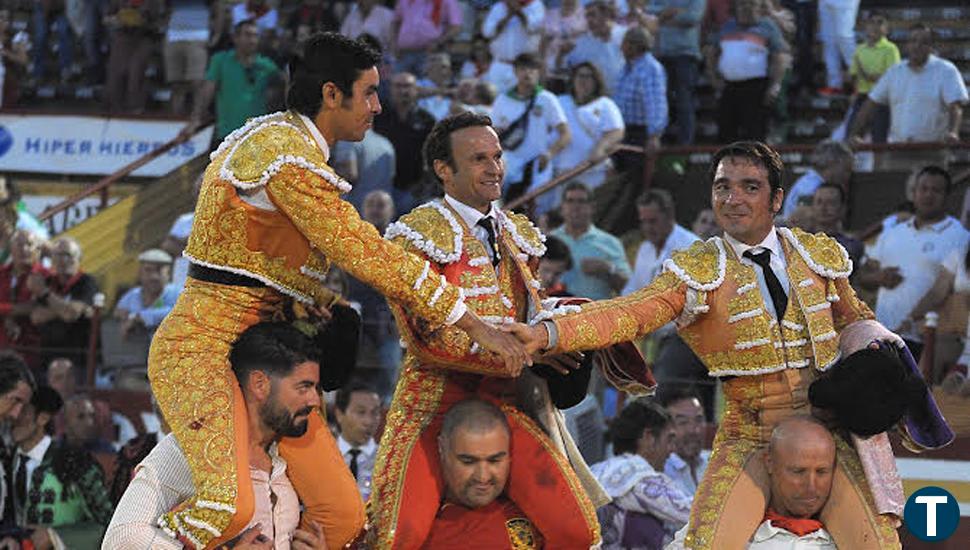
{"type": "Point", "coordinates": [13, 291]}
{"type": "Point", "coordinates": [497, 526]}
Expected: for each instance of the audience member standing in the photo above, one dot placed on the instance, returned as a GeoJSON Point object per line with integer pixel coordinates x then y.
{"type": "Point", "coordinates": [134, 36]}
{"type": "Point", "coordinates": [832, 162]}
{"type": "Point", "coordinates": [514, 27]}
{"type": "Point", "coordinates": [260, 12]}
{"type": "Point", "coordinates": [358, 412]}
{"type": "Point", "coordinates": [745, 64]}
{"type": "Point", "coordinates": [370, 17]}
{"type": "Point", "coordinates": [601, 44]}
{"type": "Point", "coordinates": [836, 28]}
{"type": "Point", "coordinates": [871, 60]}
{"type": "Point", "coordinates": [185, 51]}
{"type": "Point", "coordinates": [423, 26]}
{"type": "Point", "coordinates": [679, 49]}
{"type": "Point", "coordinates": [563, 25]}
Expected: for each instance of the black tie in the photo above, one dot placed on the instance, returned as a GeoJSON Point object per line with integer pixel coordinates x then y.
{"type": "Point", "coordinates": [777, 292]}
{"type": "Point", "coordinates": [20, 483]}
{"type": "Point", "coordinates": [486, 222]}
{"type": "Point", "coordinates": [354, 453]}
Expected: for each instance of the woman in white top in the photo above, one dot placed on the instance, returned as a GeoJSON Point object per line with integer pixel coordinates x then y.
{"type": "Point", "coordinates": [594, 121]}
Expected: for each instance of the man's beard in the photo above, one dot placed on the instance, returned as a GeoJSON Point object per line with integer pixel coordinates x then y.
{"type": "Point", "coordinates": [278, 419]}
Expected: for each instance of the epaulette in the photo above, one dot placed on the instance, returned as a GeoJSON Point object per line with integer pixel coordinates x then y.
{"type": "Point", "coordinates": [823, 254]}
{"type": "Point", "coordinates": [432, 229]}
{"type": "Point", "coordinates": [701, 266]}
{"type": "Point", "coordinates": [259, 149]}
{"type": "Point", "coordinates": [525, 235]}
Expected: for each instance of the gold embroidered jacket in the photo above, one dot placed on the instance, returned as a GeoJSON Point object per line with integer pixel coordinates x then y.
{"type": "Point", "coordinates": [719, 311]}
{"type": "Point", "coordinates": [270, 208]}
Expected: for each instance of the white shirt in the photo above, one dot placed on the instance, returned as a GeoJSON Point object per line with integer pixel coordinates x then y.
{"type": "Point", "coordinates": [678, 470]}
{"type": "Point", "coordinates": [919, 255]}
{"type": "Point", "coordinates": [587, 125]}
{"type": "Point", "coordinates": [499, 74]}
{"type": "Point", "coordinates": [778, 264]}
{"type": "Point", "coordinates": [471, 216]}
{"type": "Point", "coordinates": [163, 480]}
{"type": "Point", "coordinates": [649, 262]}
{"type": "Point", "coordinates": [607, 55]}
{"type": "Point", "coordinates": [769, 537]}
{"type": "Point", "coordinates": [265, 23]}
{"type": "Point", "coordinates": [515, 38]}
{"type": "Point", "coordinates": [34, 457]}
{"type": "Point", "coordinates": [438, 105]}
{"type": "Point", "coordinates": [365, 462]}
{"type": "Point", "coordinates": [919, 100]}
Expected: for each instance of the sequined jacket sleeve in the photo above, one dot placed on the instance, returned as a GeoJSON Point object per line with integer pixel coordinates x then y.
{"type": "Point", "coordinates": [333, 226]}
{"type": "Point", "coordinates": [604, 323]}
{"type": "Point", "coordinates": [848, 308]}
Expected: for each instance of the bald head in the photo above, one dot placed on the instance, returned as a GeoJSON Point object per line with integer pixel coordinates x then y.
{"type": "Point", "coordinates": [474, 451]}
{"type": "Point", "coordinates": [800, 461]}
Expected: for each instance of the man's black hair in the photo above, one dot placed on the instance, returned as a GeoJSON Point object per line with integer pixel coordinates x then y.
{"type": "Point", "coordinates": [344, 394]}
{"type": "Point", "coordinates": [46, 400]}
{"type": "Point", "coordinates": [244, 23]}
{"type": "Point", "coordinates": [835, 186]}
{"type": "Point", "coordinates": [556, 249]}
{"type": "Point", "coordinates": [638, 416]}
{"type": "Point", "coordinates": [756, 152]}
{"type": "Point", "coordinates": [272, 347]}
{"type": "Point", "coordinates": [327, 57]}
{"type": "Point", "coordinates": [933, 170]}
{"type": "Point", "coordinates": [670, 393]}
{"type": "Point", "coordinates": [14, 369]}
{"type": "Point", "coordinates": [437, 146]}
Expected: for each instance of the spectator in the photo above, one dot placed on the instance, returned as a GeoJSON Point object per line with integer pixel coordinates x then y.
{"type": "Point", "coordinates": [14, 208]}
{"type": "Point", "coordinates": [836, 28]}
{"type": "Point", "coordinates": [135, 25]}
{"type": "Point", "coordinates": [144, 306]}
{"type": "Point", "coordinates": [556, 261]}
{"type": "Point", "coordinates": [679, 51]}
{"type": "Point", "coordinates": [906, 258]}
{"type": "Point", "coordinates": [406, 125]}
{"type": "Point", "coordinates": [687, 463]}
{"type": "Point", "coordinates": [474, 447]}
{"type": "Point", "coordinates": [745, 64]}
{"type": "Point", "coordinates": [705, 225]}
{"type": "Point", "coordinates": [309, 18]}
{"type": "Point", "coordinates": [14, 58]}
{"type": "Point", "coordinates": [600, 45]}
{"type": "Point", "coordinates": [871, 60]}
{"type": "Point", "coordinates": [648, 507]}
{"type": "Point", "coordinates": [368, 164]}
{"type": "Point", "coordinates": [63, 376]}
{"type": "Point", "coordinates": [468, 97]}
{"type": "Point", "coordinates": [514, 27]}
{"type": "Point", "coordinates": [16, 388]}
{"type": "Point", "coordinates": [81, 425]}
{"type": "Point", "coordinates": [237, 79]}
{"type": "Point", "coordinates": [381, 343]}
{"type": "Point", "coordinates": [22, 281]}
{"type": "Point", "coordinates": [533, 130]}
{"type": "Point", "coordinates": [595, 125]}
{"type": "Point", "coordinates": [48, 14]}
{"type": "Point", "coordinates": [832, 162]}
{"type": "Point", "coordinates": [178, 237]}
{"type": "Point", "coordinates": [133, 452]}
{"type": "Point", "coordinates": [423, 26]}
{"type": "Point", "coordinates": [185, 51]}
{"type": "Point", "coordinates": [369, 17]}
{"type": "Point", "coordinates": [437, 85]}
{"type": "Point", "coordinates": [358, 412]}
{"type": "Point", "coordinates": [65, 304]}
{"type": "Point", "coordinates": [563, 25]}
{"type": "Point", "coordinates": [483, 66]}
{"type": "Point", "coordinates": [263, 15]}
{"type": "Point", "coordinates": [600, 268]}
{"type": "Point", "coordinates": [806, 14]}
{"type": "Point", "coordinates": [828, 211]}
{"type": "Point", "coordinates": [925, 95]}
{"type": "Point", "coordinates": [662, 237]}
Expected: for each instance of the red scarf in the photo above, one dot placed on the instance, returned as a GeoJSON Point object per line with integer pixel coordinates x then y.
{"type": "Point", "coordinates": [796, 526]}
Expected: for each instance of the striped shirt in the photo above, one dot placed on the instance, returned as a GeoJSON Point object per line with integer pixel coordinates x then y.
{"type": "Point", "coordinates": [641, 94]}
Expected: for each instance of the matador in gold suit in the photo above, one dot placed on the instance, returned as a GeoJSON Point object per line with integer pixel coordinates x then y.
{"type": "Point", "coordinates": [442, 367]}
{"type": "Point", "coordinates": [766, 365]}
{"type": "Point", "coordinates": [268, 225]}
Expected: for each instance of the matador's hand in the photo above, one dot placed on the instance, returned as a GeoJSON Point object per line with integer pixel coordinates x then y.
{"type": "Point", "coordinates": [534, 338]}
{"type": "Point", "coordinates": [500, 342]}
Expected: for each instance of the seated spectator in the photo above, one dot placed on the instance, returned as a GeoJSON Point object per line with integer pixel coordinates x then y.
{"type": "Point", "coordinates": [745, 65]}
{"type": "Point", "coordinates": [163, 479]}
{"type": "Point", "coordinates": [66, 495]}
{"type": "Point", "coordinates": [828, 211]}
{"type": "Point", "coordinates": [263, 15]}
{"type": "Point", "coordinates": [406, 125]}
{"type": "Point", "coordinates": [65, 304]}
{"type": "Point", "coordinates": [595, 125]}
{"type": "Point", "coordinates": [358, 413]}
{"type": "Point", "coordinates": [134, 37]}
{"type": "Point", "coordinates": [237, 79]}
{"type": "Point", "coordinates": [185, 50]}
{"type": "Point", "coordinates": [423, 26]}
{"type": "Point", "coordinates": [662, 237]}
{"type": "Point", "coordinates": [705, 225]}
{"type": "Point", "coordinates": [648, 507]}
{"type": "Point", "coordinates": [370, 17]}
{"type": "Point", "coordinates": [52, 13]}
{"type": "Point", "coordinates": [14, 58]}
{"type": "Point", "coordinates": [601, 45]}
{"type": "Point", "coordinates": [436, 86]}
{"type": "Point", "coordinates": [531, 116]}
{"type": "Point", "coordinates": [600, 269]}
{"type": "Point", "coordinates": [556, 261]}
{"type": "Point", "coordinates": [687, 463]}
{"type": "Point", "coordinates": [22, 281]}
{"type": "Point", "coordinates": [563, 25]}
{"type": "Point", "coordinates": [144, 306]}
{"type": "Point", "coordinates": [81, 428]}
{"type": "Point", "coordinates": [63, 376]}
{"type": "Point", "coordinates": [871, 60]}
{"type": "Point", "coordinates": [832, 162]}
{"type": "Point", "coordinates": [468, 98]}
{"type": "Point", "coordinates": [481, 65]}
{"type": "Point", "coordinates": [514, 27]}
{"type": "Point", "coordinates": [473, 447]}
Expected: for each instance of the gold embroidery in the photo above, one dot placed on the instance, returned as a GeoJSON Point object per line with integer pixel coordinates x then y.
{"type": "Point", "coordinates": [700, 262]}
{"type": "Point", "coordinates": [522, 535]}
{"type": "Point", "coordinates": [823, 250]}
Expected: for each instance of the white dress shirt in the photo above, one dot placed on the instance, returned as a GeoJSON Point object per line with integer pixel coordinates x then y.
{"type": "Point", "coordinates": [515, 38]}
{"type": "Point", "coordinates": [365, 462]}
{"type": "Point", "coordinates": [34, 457]}
{"type": "Point", "coordinates": [163, 480]}
{"type": "Point", "coordinates": [769, 537]}
{"type": "Point", "coordinates": [778, 264]}
{"type": "Point", "coordinates": [678, 470]}
{"type": "Point", "coordinates": [649, 262]}
{"type": "Point", "coordinates": [471, 217]}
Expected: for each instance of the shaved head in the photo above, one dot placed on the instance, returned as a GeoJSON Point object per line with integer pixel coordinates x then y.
{"type": "Point", "coordinates": [801, 463]}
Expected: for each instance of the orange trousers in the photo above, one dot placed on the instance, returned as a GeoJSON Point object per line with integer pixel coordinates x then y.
{"type": "Point", "coordinates": [199, 396]}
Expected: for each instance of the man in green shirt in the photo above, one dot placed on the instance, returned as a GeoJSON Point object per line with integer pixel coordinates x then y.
{"type": "Point", "coordinates": [871, 60]}
{"type": "Point", "coordinates": [238, 80]}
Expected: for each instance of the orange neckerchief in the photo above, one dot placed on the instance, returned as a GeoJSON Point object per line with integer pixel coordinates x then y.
{"type": "Point", "coordinates": [797, 526]}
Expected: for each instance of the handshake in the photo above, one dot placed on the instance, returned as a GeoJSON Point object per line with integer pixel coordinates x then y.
{"type": "Point", "coordinates": [516, 344]}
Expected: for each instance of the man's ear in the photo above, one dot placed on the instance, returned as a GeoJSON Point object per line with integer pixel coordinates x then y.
{"type": "Point", "coordinates": [259, 384]}
{"type": "Point", "coordinates": [766, 458]}
{"type": "Point", "coordinates": [332, 96]}
{"type": "Point", "coordinates": [777, 200]}
{"type": "Point", "coordinates": [441, 168]}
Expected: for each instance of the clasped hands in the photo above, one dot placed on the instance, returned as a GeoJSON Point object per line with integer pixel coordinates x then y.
{"type": "Point", "coordinates": [520, 345]}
